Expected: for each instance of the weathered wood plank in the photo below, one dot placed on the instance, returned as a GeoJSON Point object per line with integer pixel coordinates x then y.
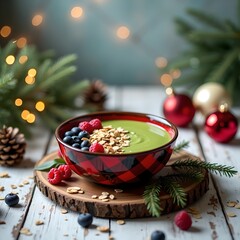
{"type": "Point", "coordinates": [228, 188]}
{"type": "Point", "coordinates": [15, 216]}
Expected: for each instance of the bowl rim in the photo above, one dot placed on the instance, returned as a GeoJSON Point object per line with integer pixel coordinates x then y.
{"type": "Point", "coordinates": [148, 115]}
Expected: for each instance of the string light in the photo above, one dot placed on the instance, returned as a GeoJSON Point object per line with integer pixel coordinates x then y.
{"type": "Point", "coordinates": [161, 62]}
{"type": "Point", "coordinates": [18, 102]}
{"type": "Point", "coordinates": [25, 114]}
{"type": "Point", "coordinates": [23, 59]}
{"type": "Point", "coordinates": [176, 73]}
{"type": "Point", "coordinates": [123, 32]}
{"type": "Point", "coordinates": [5, 31]}
{"type": "Point", "coordinates": [32, 72]}
{"type": "Point", "coordinates": [10, 59]}
{"type": "Point", "coordinates": [40, 106]}
{"type": "Point", "coordinates": [31, 118]}
{"type": "Point", "coordinates": [37, 20]}
{"type": "Point", "coordinates": [29, 80]}
{"type": "Point", "coordinates": [76, 12]}
{"type": "Point", "coordinates": [166, 80]}
{"type": "Point", "coordinates": [21, 42]}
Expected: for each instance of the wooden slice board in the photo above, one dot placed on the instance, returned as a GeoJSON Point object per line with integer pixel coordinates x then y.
{"type": "Point", "coordinates": [127, 204]}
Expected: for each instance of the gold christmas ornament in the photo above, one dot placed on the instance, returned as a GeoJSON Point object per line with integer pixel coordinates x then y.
{"type": "Point", "coordinates": [12, 146]}
{"type": "Point", "coordinates": [209, 96]}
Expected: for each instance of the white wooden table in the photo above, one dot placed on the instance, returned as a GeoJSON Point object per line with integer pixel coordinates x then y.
{"type": "Point", "coordinates": [213, 224]}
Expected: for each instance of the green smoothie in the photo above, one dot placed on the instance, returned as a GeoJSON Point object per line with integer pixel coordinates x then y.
{"type": "Point", "coordinates": [143, 136]}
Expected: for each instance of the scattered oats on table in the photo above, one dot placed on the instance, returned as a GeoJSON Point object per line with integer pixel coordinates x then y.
{"type": "Point", "coordinates": [39, 222]}
{"type": "Point", "coordinates": [103, 228]}
{"type": "Point", "coordinates": [2, 188]}
{"type": "Point", "coordinates": [4, 175]}
{"type": "Point", "coordinates": [25, 231]}
{"type": "Point", "coordinates": [64, 211]}
{"type": "Point", "coordinates": [231, 214]}
{"type": "Point", "coordinates": [120, 222]}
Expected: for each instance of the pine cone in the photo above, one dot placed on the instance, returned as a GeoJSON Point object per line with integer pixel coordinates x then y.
{"type": "Point", "coordinates": [12, 146]}
{"type": "Point", "coordinates": [95, 95]}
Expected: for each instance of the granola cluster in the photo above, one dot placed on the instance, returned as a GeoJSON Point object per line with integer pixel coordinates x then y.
{"type": "Point", "coordinates": [112, 139]}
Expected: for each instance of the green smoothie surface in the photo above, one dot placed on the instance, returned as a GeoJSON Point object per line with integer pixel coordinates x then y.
{"type": "Point", "coordinates": [144, 136]}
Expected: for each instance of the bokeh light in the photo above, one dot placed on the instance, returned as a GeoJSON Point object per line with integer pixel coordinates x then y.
{"type": "Point", "coordinates": [161, 62]}
{"type": "Point", "coordinates": [18, 102]}
{"type": "Point", "coordinates": [10, 59]}
{"type": "Point", "coordinates": [5, 31]}
{"type": "Point", "coordinates": [29, 80]}
{"type": "Point", "coordinates": [31, 118]}
{"type": "Point", "coordinates": [123, 32]}
{"type": "Point", "coordinates": [21, 42]}
{"type": "Point", "coordinates": [37, 20]}
{"type": "Point", "coordinates": [23, 59]}
{"type": "Point", "coordinates": [166, 80]}
{"type": "Point", "coordinates": [76, 12]}
{"type": "Point", "coordinates": [25, 114]}
{"type": "Point", "coordinates": [32, 72]}
{"type": "Point", "coordinates": [40, 106]}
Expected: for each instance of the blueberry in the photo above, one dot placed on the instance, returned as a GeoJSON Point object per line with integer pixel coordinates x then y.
{"type": "Point", "coordinates": [157, 235]}
{"type": "Point", "coordinates": [85, 149]}
{"type": "Point", "coordinates": [76, 145]}
{"type": "Point", "coordinates": [85, 219]}
{"type": "Point", "coordinates": [11, 199]}
{"type": "Point", "coordinates": [75, 130]}
{"type": "Point", "coordinates": [84, 134]}
{"type": "Point", "coordinates": [69, 133]}
{"type": "Point", "coordinates": [85, 143]}
{"type": "Point", "coordinates": [68, 140]}
{"type": "Point", "coordinates": [76, 139]}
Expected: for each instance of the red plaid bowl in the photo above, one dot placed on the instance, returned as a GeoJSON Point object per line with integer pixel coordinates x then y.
{"type": "Point", "coordinates": [114, 169]}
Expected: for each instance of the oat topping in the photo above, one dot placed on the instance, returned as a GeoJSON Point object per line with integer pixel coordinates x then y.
{"type": "Point", "coordinates": [112, 139]}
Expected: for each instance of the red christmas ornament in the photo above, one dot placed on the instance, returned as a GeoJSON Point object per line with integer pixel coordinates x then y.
{"type": "Point", "coordinates": [221, 125]}
{"type": "Point", "coordinates": [179, 109]}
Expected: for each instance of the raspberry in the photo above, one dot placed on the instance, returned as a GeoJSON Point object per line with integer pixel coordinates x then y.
{"type": "Point", "coordinates": [65, 171]}
{"type": "Point", "coordinates": [96, 123]}
{"type": "Point", "coordinates": [54, 176]}
{"type": "Point", "coordinates": [183, 220]}
{"type": "Point", "coordinates": [86, 126]}
{"type": "Point", "coordinates": [96, 147]}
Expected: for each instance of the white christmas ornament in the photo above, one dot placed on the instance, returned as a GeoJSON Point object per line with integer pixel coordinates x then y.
{"type": "Point", "coordinates": [209, 96]}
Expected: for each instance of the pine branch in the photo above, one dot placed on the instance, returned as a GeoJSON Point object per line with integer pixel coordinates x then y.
{"type": "Point", "coordinates": [152, 200]}
{"type": "Point", "coordinates": [181, 145]}
{"type": "Point", "coordinates": [227, 171]}
{"type": "Point", "coordinates": [206, 19]}
{"type": "Point", "coordinates": [175, 190]}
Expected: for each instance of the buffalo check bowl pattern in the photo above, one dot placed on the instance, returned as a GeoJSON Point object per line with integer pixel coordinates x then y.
{"type": "Point", "coordinates": [115, 169]}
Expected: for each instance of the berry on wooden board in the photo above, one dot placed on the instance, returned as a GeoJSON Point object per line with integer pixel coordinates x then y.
{"type": "Point", "coordinates": [54, 176]}
{"type": "Point", "coordinates": [65, 171]}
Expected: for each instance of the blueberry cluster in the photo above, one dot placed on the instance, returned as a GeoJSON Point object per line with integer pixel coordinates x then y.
{"type": "Point", "coordinates": [77, 138]}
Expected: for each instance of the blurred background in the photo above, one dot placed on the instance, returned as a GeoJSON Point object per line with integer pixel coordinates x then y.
{"type": "Point", "coordinates": [119, 42]}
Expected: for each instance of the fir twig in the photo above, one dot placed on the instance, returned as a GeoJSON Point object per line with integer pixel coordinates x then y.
{"type": "Point", "coordinates": [180, 146]}
{"type": "Point", "coordinates": [152, 200]}
{"type": "Point", "coordinates": [227, 171]}
{"type": "Point", "coordinates": [175, 190]}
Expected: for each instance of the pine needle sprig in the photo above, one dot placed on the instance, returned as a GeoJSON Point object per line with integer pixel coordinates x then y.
{"type": "Point", "coordinates": [222, 170]}
{"type": "Point", "coordinates": [187, 175]}
{"type": "Point", "coordinates": [152, 200]}
{"type": "Point", "coordinates": [175, 190]}
{"type": "Point", "coordinates": [180, 146]}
